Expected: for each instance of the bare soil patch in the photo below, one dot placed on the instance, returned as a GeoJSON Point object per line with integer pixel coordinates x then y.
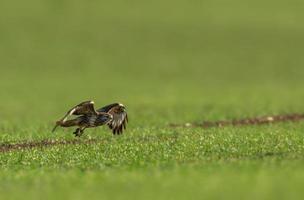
{"type": "Point", "coordinates": [245, 122]}
{"type": "Point", "coordinates": [5, 147]}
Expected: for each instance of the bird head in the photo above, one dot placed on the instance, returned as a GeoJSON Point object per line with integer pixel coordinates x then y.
{"type": "Point", "coordinates": [121, 107]}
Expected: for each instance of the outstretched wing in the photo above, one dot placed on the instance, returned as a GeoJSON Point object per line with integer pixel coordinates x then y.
{"type": "Point", "coordinates": [120, 117]}
{"type": "Point", "coordinates": [107, 108]}
{"type": "Point", "coordinates": [118, 123]}
{"type": "Point", "coordinates": [84, 108]}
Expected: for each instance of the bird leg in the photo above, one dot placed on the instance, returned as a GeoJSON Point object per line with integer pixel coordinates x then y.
{"type": "Point", "coordinates": [79, 131]}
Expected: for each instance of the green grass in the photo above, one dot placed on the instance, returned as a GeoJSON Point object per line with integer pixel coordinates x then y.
{"type": "Point", "coordinates": [168, 62]}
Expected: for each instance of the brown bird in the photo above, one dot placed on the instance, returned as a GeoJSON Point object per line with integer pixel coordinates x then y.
{"type": "Point", "coordinates": [113, 115]}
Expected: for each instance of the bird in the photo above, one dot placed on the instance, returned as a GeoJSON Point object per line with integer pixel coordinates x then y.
{"type": "Point", "coordinates": [114, 115]}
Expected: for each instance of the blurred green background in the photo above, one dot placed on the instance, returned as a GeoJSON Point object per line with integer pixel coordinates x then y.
{"type": "Point", "coordinates": [168, 62]}
{"type": "Point", "coordinates": [148, 53]}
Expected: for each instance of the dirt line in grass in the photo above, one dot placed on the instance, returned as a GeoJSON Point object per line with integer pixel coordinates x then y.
{"type": "Point", "coordinates": [245, 122]}
{"type": "Point", "coordinates": [6, 147]}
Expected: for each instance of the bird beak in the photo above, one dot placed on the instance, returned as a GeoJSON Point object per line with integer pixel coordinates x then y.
{"type": "Point", "coordinates": [55, 128]}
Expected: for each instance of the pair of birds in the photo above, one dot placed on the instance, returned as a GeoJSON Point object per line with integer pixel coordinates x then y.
{"type": "Point", "coordinates": [113, 115]}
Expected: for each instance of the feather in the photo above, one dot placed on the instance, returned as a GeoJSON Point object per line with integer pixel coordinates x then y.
{"type": "Point", "coordinates": [114, 115]}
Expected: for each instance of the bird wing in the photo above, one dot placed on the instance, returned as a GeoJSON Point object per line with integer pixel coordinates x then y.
{"type": "Point", "coordinates": [107, 108]}
{"type": "Point", "coordinates": [119, 121]}
{"type": "Point", "coordinates": [84, 108]}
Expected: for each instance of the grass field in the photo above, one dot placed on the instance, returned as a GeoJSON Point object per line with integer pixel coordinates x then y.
{"type": "Point", "coordinates": [168, 62]}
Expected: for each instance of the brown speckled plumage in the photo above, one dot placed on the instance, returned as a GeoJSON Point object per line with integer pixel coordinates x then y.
{"type": "Point", "coordinates": [113, 115]}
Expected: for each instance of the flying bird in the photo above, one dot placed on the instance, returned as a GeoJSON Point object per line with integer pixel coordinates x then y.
{"type": "Point", "coordinates": [113, 115]}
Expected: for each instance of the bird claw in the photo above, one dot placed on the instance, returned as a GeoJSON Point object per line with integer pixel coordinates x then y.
{"type": "Point", "coordinates": [78, 132]}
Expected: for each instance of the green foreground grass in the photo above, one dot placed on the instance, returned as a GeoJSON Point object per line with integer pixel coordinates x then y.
{"type": "Point", "coordinates": [168, 62]}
